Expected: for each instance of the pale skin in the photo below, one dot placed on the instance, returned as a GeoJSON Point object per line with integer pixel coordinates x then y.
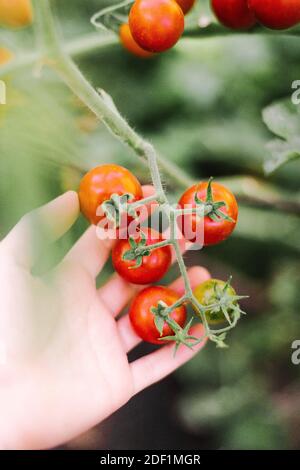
{"type": "Point", "coordinates": [63, 362]}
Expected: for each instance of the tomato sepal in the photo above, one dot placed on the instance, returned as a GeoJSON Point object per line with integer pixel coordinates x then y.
{"type": "Point", "coordinates": [211, 207]}
{"type": "Point", "coordinates": [116, 206]}
{"type": "Point", "coordinates": [138, 251]}
{"type": "Point", "coordinates": [181, 335]}
{"type": "Point", "coordinates": [216, 303]}
{"type": "Point", "coordinates": [160, 316]}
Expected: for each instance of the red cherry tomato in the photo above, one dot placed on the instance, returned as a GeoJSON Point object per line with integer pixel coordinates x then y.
{"type": "Point", "coordinates": [186, 5]}
{"type": "Point", "coordinates": [214, 231]}
{"type": "Point", "coordinates": [234, 14]}
{"type": "Point", "coordinates": [142, 319]}
{"type": "Point", "coordinates": [153, 267]}
{"type": "Point", "coordinates": [99, 184]}
{"type": "Point", "coordinates": [156, 25]}
{"type": "Point", "coordinates": [276, 14]}
{"type": "Point", "coordinates": [130, 44]}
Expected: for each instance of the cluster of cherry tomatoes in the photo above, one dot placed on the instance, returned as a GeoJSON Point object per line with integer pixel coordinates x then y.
{"type": "Point", "coordinates": [156, 25]}
{"type": "Point", "coordinates": [132, 256]}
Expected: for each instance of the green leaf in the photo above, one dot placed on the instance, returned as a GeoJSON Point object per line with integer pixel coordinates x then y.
{"type": "Point", "coordinates": [281, 152]}
{"type": "Point", "coordinates": [283, 119]}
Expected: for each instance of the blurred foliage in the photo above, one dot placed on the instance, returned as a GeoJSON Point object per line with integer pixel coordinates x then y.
{"type": "Point", "coordinates": [284, 120]}
{"type": "Point", "coordinates": [201, 105]}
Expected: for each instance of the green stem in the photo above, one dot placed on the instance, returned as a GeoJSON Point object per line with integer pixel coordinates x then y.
{"type": "Point", "coordinates": [201, 311]}
{"type": "Point", "coordinates": [142, 202]}
{"type": "Point", "coordinates": [77, 48]}
{"type": "Point", "coordinates": [180, 260]}
{"type": "Point", "coordinates": [103, 107]}
{"type": "Point", "coordinates": [140, 251]}
{"type": "Point", "coordinates": [177, 304]}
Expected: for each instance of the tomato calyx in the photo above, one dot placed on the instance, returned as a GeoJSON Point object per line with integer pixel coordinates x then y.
{"type": "Point", "coordinates": [138, 251]}
{"type": "Point", "coordinates": [116, 206]}
{"type": "Point", "coordinates": [226, 303]}
{"type": "Point", "coordinates": [181, 335]}
{"type": "Point", "coordinates": [217, 303]}
{"type": "Point", "coordinates": [211, 207]}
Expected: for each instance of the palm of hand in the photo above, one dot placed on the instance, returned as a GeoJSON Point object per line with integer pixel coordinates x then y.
{"type": "Point", "coordinates": [66, 364]}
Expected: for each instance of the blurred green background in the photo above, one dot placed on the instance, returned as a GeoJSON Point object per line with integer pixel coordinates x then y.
{"type": "Point", "coordinates": [201, 106]}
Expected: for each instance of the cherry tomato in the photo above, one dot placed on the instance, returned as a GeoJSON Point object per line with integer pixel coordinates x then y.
{"type": "Point", "coordinates": [186, 5]}
{"type": "Point", "coordinates": [130, 44]}
{"type": "Point", "coordinates": [214, 231]}
{"type": "Point", "coordinates": [153, 267]}
{"type": "Point", "coordinates": [234, 14]}
{"type": "Point", "coordinates": [276, 14]}
{"type": "Point", "coordinates": [16, 13]}
{"type": "Point", "coordinates": [100, 183]}
{"type": "Point", "coordinates": [208, 293]}
{"type": "Point", "coordinates": [5, 55]}
{"type": "Point", "coordinates": [156, 25]}
{"type": "Point", "coordinates": [142, 319]}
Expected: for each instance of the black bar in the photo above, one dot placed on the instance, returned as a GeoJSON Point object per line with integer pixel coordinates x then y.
{"type": "Point", "coordinates": [142, 459]}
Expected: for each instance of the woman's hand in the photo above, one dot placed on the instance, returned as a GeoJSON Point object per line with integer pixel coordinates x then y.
{"type": "Point", "coordinates": [63, 350]}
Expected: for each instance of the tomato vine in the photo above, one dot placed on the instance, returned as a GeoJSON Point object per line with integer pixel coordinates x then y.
{"type": "Point", "coordinates": [58, 55]}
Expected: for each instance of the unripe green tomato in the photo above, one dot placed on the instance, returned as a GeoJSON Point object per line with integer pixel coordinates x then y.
{"type": "Point", "coordinates": [205, 293]}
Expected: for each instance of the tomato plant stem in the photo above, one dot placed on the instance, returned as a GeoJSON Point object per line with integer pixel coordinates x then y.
{"type": "Point", "coordinates": [102, 105]}
{"type": "Point", "coordinates": [156, 245]}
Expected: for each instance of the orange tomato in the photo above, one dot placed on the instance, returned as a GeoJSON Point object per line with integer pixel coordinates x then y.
{"type": "Point", "coordinates": [5, 55]}
{"type": "Point", "coordinates": [16, 13]}
{"type": "Point", "coordinates": [100, 183]}
{"type": "Point", "coordinates": [156, 25]}
{"type": "Point", "coordinates": [130, 44]}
